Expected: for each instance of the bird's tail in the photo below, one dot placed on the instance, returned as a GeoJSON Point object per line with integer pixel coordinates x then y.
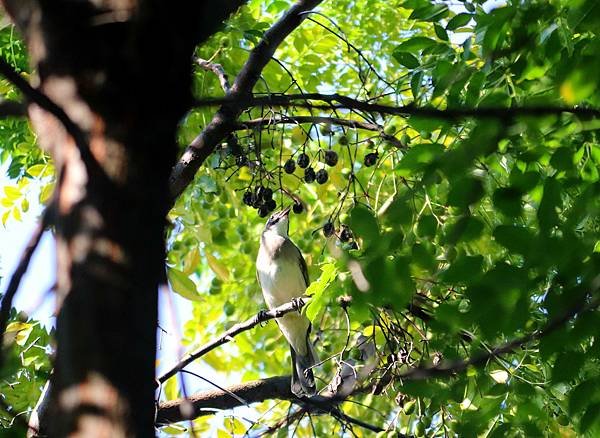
{"type": "Point", "coordinates": [303, 380]}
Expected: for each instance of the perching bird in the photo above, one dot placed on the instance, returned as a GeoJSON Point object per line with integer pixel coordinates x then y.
{"type": "Point", "coordinates": [283, 277]}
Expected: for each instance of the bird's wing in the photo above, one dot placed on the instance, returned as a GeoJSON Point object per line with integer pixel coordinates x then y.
{"type": "Point", "coordinates": [289, 246]}
{"type": "Point", "coordinates": [258, 279]}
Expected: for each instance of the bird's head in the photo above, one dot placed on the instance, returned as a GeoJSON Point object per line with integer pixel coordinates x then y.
{"type": "Point", "coordinates": [279, 222]}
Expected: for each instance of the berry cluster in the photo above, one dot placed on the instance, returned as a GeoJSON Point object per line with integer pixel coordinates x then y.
{"type": "Point", "coordinates": [261, 198]}
{"type": "Point", "coordinates": [303, 161]}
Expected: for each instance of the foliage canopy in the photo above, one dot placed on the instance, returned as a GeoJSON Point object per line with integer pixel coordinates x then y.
{"type": "Point", "coordinates": [455, 231]}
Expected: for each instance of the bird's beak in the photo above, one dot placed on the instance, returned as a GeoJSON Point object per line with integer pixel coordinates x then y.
{"type": "Point", "coordinates": [286, 211]}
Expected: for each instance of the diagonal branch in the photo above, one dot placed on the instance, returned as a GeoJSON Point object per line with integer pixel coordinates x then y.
{"type": "Point", "coordinates": [15, 280]}
{"type": "Point", "coordinates": [226, 337]}
{"type": "Point", "coordinates": [445, 369]}
{"type": "Point", "coordinates": [223, 121]}
{"type": "Point", "coordinates": [36, 96]}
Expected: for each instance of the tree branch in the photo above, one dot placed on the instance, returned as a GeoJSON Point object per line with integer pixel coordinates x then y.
{"type": "Point", "coordinates": [223, 121]}
{"type": "Point", "coordinates": [36, 96]}
{"type": "Point", "coordinates": [15, 279]}
{"type": "Point", "coordinates": [337, 101]}
{"type": "Point", "coordinates": [234, 331]}
{"type": "Point", "coordinates": [217, 69]}
{"type": "Point", "coordinates": [206, 402]}
{"type": "Point", "coordinates": [444, 369]}
{"type": "Point", "coordinates": [296, 120]}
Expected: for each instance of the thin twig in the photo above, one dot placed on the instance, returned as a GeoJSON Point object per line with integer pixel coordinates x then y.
{"type": "Point", "coordinates": [293, 120]}
{"type": "Point", "coordinates": [337, 413]}
{"type": "Point", "coordinates": [232, 332]}
{"type": "Point", "coordinates": [18, 418]}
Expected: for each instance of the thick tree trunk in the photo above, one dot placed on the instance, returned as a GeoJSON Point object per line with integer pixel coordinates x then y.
{"type": "Point", "coordinates": [120, 70]}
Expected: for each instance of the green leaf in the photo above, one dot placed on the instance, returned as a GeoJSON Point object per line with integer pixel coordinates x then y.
{"type": "Point", "coordinates": [364, 224]}
{"type": "Point", "coordinates": [12, 193]}
{"type": "Point", "coordinates": [508, 201]}
{"type": "Point", "coordinates": [36, 170]}
{"type": "Point", "coordinates": [427, 226]}
{"type": "Point", "coordinates": [549, 206]}
{"type": "Point", "coordinates": [432, 12]}
{"type": "Point", "coordinates": [418, 157]}
{"type": "Point", "coordinates": [317, 288]}
{"type": "Point", "coordinates": [207, 184]}
{"type": "Point", "coordinates": [181, 284]}
{"type": "Point", "coordinates": [414, 44]}
{"type": "Point", "coordinates": [440, 32]}
{"type": "Point", "coordinates": [464, 270]}
{"type": "Point", "coordinates": [583, 394]}
{"type": "Point", "coordinates": [591, 419]}
{"type": "Point", "coordinates": [458, 20]}
{"type": "Point", "coordinates": [567, 366]}
{"type": "Point", "coordinates": [514, 238]}
{"type": "Point", "coordinates": [466, 229]}
{"type": "Point", "coordinates": [416, 81]}
{"type": "Point", "coordinates": [427, 123]}
{"type": "Point", "coordinates": [562, 159]}
{"type": "Point", "coordinates": [406, 59]}
{"type": "Point", "coordinates": [465, 191]}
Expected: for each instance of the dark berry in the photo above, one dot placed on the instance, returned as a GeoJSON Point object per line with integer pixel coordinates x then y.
{"type": "Point", "coordinates": [345, 234]}
{"type": "Point", "coordinates": [328, 229]}
{"type": "Point", "coordinates": [289, 166]}
{"type": "Point", "coordinates": [271, 205]}
{"type": "Point", "coordinates": [263, 211]}
{"type": "Point", "coordinates": [322, 176]}
{"type": "Point", "coordinates": [343, 140]}
{"type": "Point", "coordinates": [241, 160]}
{"type": "Point", "coordinates": [264, 193]}
{"type": "Point", "coordinates": [371, 159]}
{"type": "Point", "coordinates": [352, 245]}
{"type": "Point", "coordinates": [303, 160]}
{"type": "Point", "coordinates": [331, 158]}
{"type": "Point", "coordinates": [257, 202]}
{"type": "Point", "coordinates": [298, 208]}
{"type": "Point", "coordinates": [249, 198]}
{"type": "Point", "coordinates": [309, 174]}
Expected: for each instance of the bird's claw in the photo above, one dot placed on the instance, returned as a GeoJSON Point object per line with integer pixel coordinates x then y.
{"type": "Point", "coordinates": [262, 316]}
{"type": "Point", "coordinates": [297, 304]}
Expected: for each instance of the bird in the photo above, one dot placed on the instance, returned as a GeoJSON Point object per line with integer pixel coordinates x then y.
{"type": "Point", "coordinates": [283, 277]}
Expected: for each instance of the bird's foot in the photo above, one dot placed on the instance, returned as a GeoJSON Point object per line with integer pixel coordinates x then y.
{"type": "Point", "coordinates": [297, 304]}
{"type": "Point", "coordinates": [262, 317]}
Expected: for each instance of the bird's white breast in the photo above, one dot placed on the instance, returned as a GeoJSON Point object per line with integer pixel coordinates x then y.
{"type": "Point", "coordinates": [280, 277]}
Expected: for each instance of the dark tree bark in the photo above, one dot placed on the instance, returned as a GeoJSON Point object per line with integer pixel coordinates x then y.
{"type": "Point", "coordinates": [120, 70]}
